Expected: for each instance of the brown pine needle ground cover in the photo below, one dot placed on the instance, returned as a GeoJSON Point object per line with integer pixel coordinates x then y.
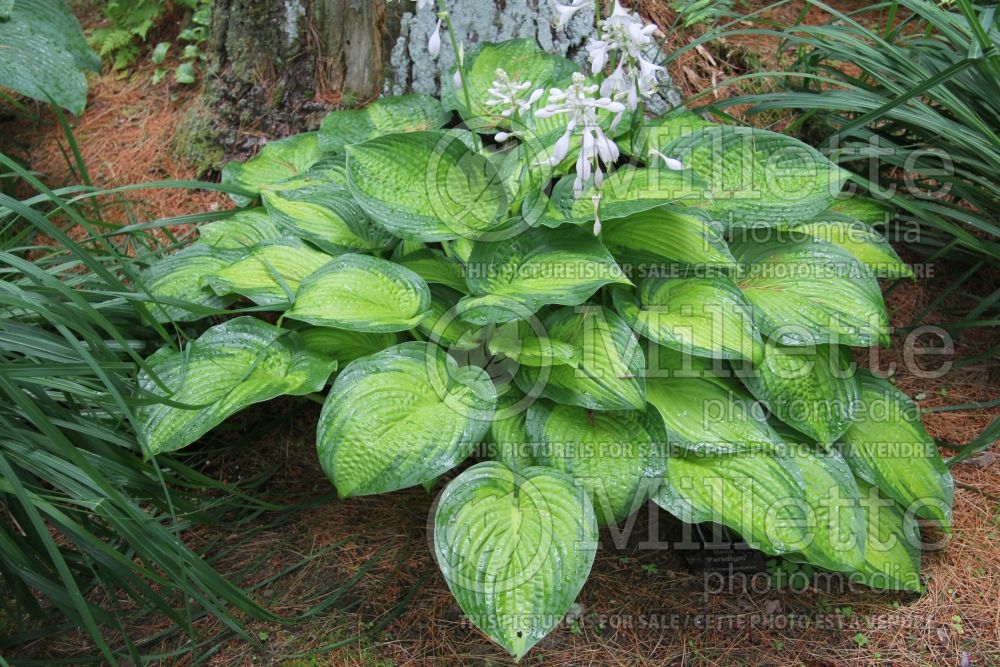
{"type": "Point", "coordinates": [640, 606]}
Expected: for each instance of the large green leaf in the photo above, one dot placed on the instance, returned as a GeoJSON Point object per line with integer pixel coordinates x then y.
{"type": "Point", "coordinates": [401, 417]}
{"type": "Point", "coordinates": [835, 518]}
{"type": "Point", "coordinates": [626, 191]}
{"type": "Point", "coordinates": [609, 374]}
{"type": "Point", "coordinates": [386, 115]}
{"type": "Point", "coordinates": [325, 214]}
{"type": "Point", "coordinates": [54, 20]}
{"type": "Point", "coordinates": [270, 273]}
{"type": "Point", "coordinates": [42, 51]}
{"type": "Point", "coordinates": [702, 316]}
{"type": "Point", "coordinates": [537, 267]}
{"type": "Point", "coordinates": [362, 293]}
{"type": "Point", "coordinates": [507, 438]}
{"type": "Point", "coordinates": [527, 343]}
{"type": "Point", "coordinates": [230, 366]}
{"type": "Point", "coordinates": [515, 549]}
{"type": "Point", "coordinates": [758, 492]}
{"type": "Point", "coordinates": [328, 169]}
{"type": "Point", "coordinates": [442, 324]}
{"type": "Point", "coordinates": [428, 186]}
{"type": "Point", "coordinates": [808, 291]}
{"type": "Point", "coordinates": [617, 457]}
{"type": "Point", "coordinates": [177, 283]}
{"type": "Point", "coordinates": [888, 446]}
{"type": "Point", "coordinates": [278, 161]}
{"type": "Point", "coordinates": [434, 267]}
{"type": "Point", "coordinates": [892, 553]}
{"type": "Point", "coordinates": [523, 61]}
{"type": "Point", "coordinates": [811, 388]}
{"type": "Point", "coordinates": [707, 415]}
{"type": "Point", "coordinates": [343, 345]}
{"type": "Point", "coordinates": [243, 230]}
{"type": "Point", "coordinates": [758, 178]}
{"type": "Point", "coordinates": [658, 133]}
{"type": "Point", "coordinates": [669, 235]}
{"type": "Point", "coordinates": [631, 190]}
{"type": "Point", "coordinates": [860, 208]}
{"type": "Point", "coordinates": [857, 238]}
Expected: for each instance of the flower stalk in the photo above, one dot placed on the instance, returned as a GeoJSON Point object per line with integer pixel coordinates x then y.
{"type": "Point", "coordinates": [445, 16]}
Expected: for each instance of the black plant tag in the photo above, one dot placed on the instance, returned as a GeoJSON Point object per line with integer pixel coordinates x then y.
{"type": "Point", "coordinates": [719, 551]}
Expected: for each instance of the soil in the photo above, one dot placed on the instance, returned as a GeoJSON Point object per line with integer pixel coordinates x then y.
{"type": "Point", "coordinates": [640, 606]}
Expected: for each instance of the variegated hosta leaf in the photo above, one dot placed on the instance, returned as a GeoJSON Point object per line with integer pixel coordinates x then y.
{"type": "Point", "coordinates": [625, 192]}
{"type": "Point", "coordinates": [515, 549]}
{"type": "Point", "coordinates": [669, 235]}
{"type": "Point", "coordinates": [892, 545]}
{"type": "Point", "coordinates": [757, 492]}
{"type": "Point", "coordinates": [658, 133]}
{"type": "Point", "coordinates": [701, 316]}
{"type": "Point", "coordinates": [175, 281]}
{"type": "Point", "coordinates": [362, 293]}
{"type": "Point", "coordinates": [523, 60]}
{"type": "Point", "coordinates": [428, 186]}
{"type": "Point", "coordinates": [859, 239]}
{"type": "Point", "coordinates": [535, 268]}
{"type": "Point", "coordinates": [835, 518]}
{"type": "Point", "coordinates": [343, 345]}
{"type": "Point", "coordinates": [230, 366]}
{"type": "Point", "coordinates": [758, 178]}
{"type": "Point", "coordinates": [401, 417]}
{"type": "Point", "coordinates": [708, 415]}
{"type": "Point", "coordinates": [617, 457]}
{"type": "Point", "coordinates": [888, 446]}
{"type": "Point", "coordinates": [325, 214]}
{"type": "Point", "coordinates": [434, 267]}
{"type": "Point", "coordinates": [808, 291]}
{"type": "Point", "coordinates": [462, 249]}
{"type": "Point", "coordinates": [386, 115]}
{"type": "Point", "coordinates": [609, 373]}
{"type": "Point", "coordinates": [528, 344]}
{"type": "Point", "coordinates": [271, 273]}
{"type": "Point", "coordinates": [860, 208]}
{"type": "Point", "coordinates": [507, 438]}
{"type": "Point", "coordinates": [243, 230]}
{"type": "Point", "coordinates": [631, 190]}
{"type": "Point", "coordinates": [277, 161]}
{"type": "Point", "coordinates": [812, 389]}
{"type": "Point", "coordinates": [443, 326]}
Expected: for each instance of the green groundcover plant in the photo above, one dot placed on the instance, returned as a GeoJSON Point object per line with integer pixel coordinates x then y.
{"type": "Point", "coordinates": [601, 307]}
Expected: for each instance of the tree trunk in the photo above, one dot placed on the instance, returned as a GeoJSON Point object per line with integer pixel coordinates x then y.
{"type": "Point", "coordinates": [277, 66]}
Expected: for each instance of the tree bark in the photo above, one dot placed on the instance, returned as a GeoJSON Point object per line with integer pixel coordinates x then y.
{"type": "Point", "coordinates": [277, 66]}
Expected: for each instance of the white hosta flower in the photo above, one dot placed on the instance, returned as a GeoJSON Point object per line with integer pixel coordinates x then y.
{"type": "Point", "coordinates": [635, 75]}
{"type": "Point", "coordinates": [580, 104]}
{"type": "Point", "coordinates": [509, 96]}
{"type": "Point", "coordinates": [672, 163]}
{"type": "Point", "coordinates": [566, 12]}
{"type": "Point", "coordinates": [434, 43]}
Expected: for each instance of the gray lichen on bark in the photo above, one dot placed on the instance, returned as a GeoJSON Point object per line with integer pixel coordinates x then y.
{"type": "Point", "coordinates": [411, 67]}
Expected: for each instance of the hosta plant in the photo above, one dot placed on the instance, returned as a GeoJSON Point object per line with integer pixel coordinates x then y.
{"type": "Point", "coordinates": [564, 312]}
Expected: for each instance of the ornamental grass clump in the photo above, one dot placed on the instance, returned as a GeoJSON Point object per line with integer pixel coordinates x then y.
{"type": "Point", "coordinates": [603, 308]}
